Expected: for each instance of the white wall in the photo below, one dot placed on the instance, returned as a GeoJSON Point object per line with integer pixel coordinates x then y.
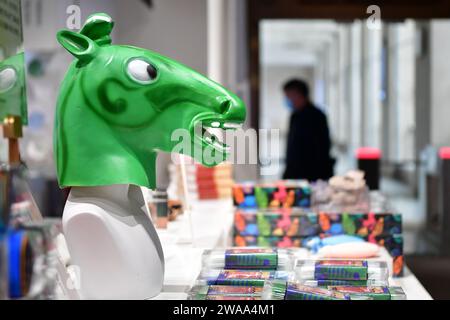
{"type": "Point", "coordinates": [333, 88]}
{"type": "Point", "coordinates": [343, 134]}
{"type": "Point", "coordinates": [175, 28]}
{"type": "Point", "coordinates": [42, 19]}
{"type": "Point", "coordinates": [372, 125]}
{"type": "Point", "coordinates": [401, 91]}
{"type": "Point", "coordinates": [440, 82]}
{"type": "Point", "coordinates": [355, 70]}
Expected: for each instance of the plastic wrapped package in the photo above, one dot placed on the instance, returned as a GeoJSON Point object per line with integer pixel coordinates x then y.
{"type": "Point", "coordinates": [371, 292]}
{"type": "Point", "coordinates": [347, 283]}
{"type": "Point", "coordinates": [337, 269]}
{"type": "Point", "coordinates": [220, 292]}
{"type": "Point", "coordinates": [16, 201]}
{"type": "Point", "coordinates": [241, 277]}
{"type": "Point", "coordinates": [31, 260]}
{"type": "Point", "coordinates": [294, 290]}
{"type": "Point", "coordinates": [250, 258]}
{"type": "Point", "coordinates": [42, 235]}
{"type": "Point", "coordinates": [281, 290]}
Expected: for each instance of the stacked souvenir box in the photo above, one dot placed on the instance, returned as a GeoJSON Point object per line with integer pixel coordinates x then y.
{"type": "Point", "coordinates": [265, 217]}
{"type": "Point", "coordinates": [292, 228]}
{"type": "Point", "coordinates": [281, 194]}
{"type": "Point", "coordinates": [293, 222]}
{"type": "Point", "coordinates": [335, 279]}
{"type": "Point", "coordinates": [204, 183]}
{"type": "Point", "coordinates": [214, 182]}
{"type": "Point", "coordinates": [241, 273]}
{"type": "Point", "coordinates": [285, 274]}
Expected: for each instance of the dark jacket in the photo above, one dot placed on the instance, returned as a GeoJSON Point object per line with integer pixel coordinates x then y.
{"type": "Point", "coordinates": [308, 146]}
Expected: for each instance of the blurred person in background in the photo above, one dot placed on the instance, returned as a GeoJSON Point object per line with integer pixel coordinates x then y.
{"type": "Point", "coordinates": [308, 144]}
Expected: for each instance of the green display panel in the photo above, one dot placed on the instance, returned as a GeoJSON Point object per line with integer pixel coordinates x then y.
{"type": "Point", "coordinates": [12, 62]}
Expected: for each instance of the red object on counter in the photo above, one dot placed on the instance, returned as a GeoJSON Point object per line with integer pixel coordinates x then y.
{"type": "Point", "coordinates": [368, 153]}
{"type": "Point", "coordinates": [444, 153]}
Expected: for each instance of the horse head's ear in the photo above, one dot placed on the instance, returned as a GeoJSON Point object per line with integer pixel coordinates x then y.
{"type": "Point", "coordinates": [98, 27]}
{"type": "Point", "coordinates": [80, 46]}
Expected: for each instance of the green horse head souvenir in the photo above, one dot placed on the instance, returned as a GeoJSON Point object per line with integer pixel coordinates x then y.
{"type": "Point", "coordinates": [13, 100]}
{"type": "Point", "coordinates": [118, 105]}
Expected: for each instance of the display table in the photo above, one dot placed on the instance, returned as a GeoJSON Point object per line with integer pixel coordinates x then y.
{"type": "Point", "coordinates": [211, 223]}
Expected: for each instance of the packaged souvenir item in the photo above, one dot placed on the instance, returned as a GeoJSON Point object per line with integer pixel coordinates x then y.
{"type": "Point", "coordinates": [341, 270]}
{"type": "Point", "coordinates": [348, 283]}
{"type": "Point", "coordinates": [218, 292]}
{"type": "Point", "coordinates": [279, 290]}
{"type": "Point", "coordinates": [250, 259]}
{"type": "Point", "coordinates": [373, 293]}
{"type": "Point", "coordinates": [255, 278]}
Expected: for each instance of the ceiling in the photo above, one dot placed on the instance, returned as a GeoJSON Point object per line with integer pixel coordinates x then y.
{"type": "Point", "coordinates": [295, 42]}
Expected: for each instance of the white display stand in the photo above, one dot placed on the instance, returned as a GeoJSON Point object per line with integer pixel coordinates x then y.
{"type": "Point", "coordinates": [213, 222]}
{"type": "Point", "coordinates": [112, 243]}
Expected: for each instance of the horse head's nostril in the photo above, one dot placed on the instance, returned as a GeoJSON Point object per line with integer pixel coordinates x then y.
{"type": "Point", "coordinates": [232, 108]}
{"type": "Point", "coordinates": [225, 106]}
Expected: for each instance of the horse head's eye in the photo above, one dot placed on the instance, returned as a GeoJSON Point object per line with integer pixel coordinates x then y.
{"type": "Point", "coordinates": [141, 71]}
{"type": "Point", "coordinates": [8, 79]}
{"type": "Point", "coordinates": [151, 70]}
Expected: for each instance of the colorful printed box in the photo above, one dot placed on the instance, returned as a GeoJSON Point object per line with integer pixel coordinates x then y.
{"type": "Point", "coordinates": [278, 242]}
{"type": "Point", "coordinates": [278, 222]}
{"type": "Point", "coordinates": [368, 225]}
{"type": "Point", "coordinates": [298, 223]}
{"type": "Point", "coordinates": [255, 278]}
{"type": "Point", "coordinates": [286, 228]}
{"type": "Point", "coordinates": [282, 194]}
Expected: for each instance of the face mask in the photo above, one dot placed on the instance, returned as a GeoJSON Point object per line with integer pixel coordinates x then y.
{"type": "Point", "coordinates": [288, 103]}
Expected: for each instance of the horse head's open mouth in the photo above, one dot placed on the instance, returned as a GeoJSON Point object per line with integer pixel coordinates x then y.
{"type": "Point", "coordinates": [210, 131]}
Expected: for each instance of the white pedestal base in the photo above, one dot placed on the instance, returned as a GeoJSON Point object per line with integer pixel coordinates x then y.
{"type": "Point", "coordinates": [113, 243]}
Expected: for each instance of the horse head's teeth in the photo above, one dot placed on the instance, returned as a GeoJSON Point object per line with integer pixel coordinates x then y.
{"type": "Point", "coordinates": [221, 146]}
{"type": "Point", "coordinates": [215, 124]}
{"type": "Point", "coordinates": [231, 125]}
{"type": "Point", "coordinates": [209, 139]}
